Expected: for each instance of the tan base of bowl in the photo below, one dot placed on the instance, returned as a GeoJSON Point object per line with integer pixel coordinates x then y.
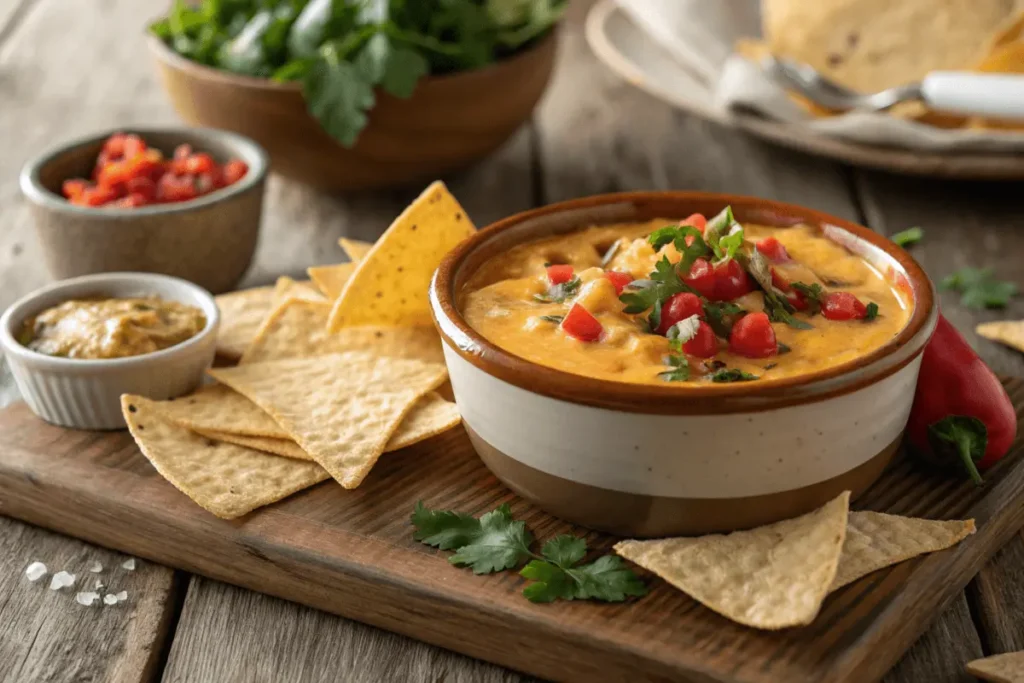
{"type": "Point", "coordinates": [639, 516]}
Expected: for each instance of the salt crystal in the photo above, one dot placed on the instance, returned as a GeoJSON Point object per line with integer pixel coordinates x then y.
{"type": "Point", "coordinates": [129, 564]}
{"type": "Point", "coordinates": [87, 599]}
{"type": "Point", "coordinates": [109, 599]}
{"type": "Point", "coordinates": [122, 596]}
{"type": "Point", "coordinates": [61, 580]}
{"type": "Point", "coordinates": [96, 567]}
{"type": "Point", "coordinates": [35, 571]}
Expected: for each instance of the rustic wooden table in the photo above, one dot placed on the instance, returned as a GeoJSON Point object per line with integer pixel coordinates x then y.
{"type": "Point", "coordinates": [70, 67]}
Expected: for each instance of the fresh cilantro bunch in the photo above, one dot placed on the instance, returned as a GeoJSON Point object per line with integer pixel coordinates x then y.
{"type": "Point", "coordinates": [342, 51]}
{"type": "Point", "coordinates": [496, 542]}
{"type": "Point", "coordinates": [979, 288]}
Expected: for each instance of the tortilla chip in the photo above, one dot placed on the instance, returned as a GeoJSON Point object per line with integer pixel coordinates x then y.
{"type": "Point", "coordinates": [298, 329]}
{"type": "Point", "coordinates": [226, 479]}
{"type": "Point", "coordinates": [875, 540]}
{"type": "Point", "coordinates": [287, 288]}
{"type": "Point", "coordinates": [432, 415]}
{"type": "Point", "coordinates": [342, 408]}
{"type": "Point", "coordinates": [772, 577]}
{"type": "Point", "coordinates": [241, 314]}
{"type": "Point", "coordinates": [285, 447]}
{"type": "Point", "coordinates": [1009, 332]}
{"type": "Point", "coordinates": [331, 279]}
{"type": "Point", "coordinates": [356, 250]}
{"type": "Point", "coordinates": [389, 287]}
{"type": "Point", "coordinates": [863, 45]}
{"type": "Point", "coordinates": [1004, 668]}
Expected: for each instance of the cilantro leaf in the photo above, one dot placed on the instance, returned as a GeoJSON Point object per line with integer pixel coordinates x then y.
{"type": "Point", "coordinates": [684, 330]}
{"type": "Point", "coordinates": [680, 371]}
{"type": "Point", "coordinates": [556, 319]}
{"type": "Point", "coordinates": [338, 96]}
{"type": "Point", "coordinates": [491, 543]}
{"type": "Point", "coordinates": [721, 315]}
{"type": "Point", "coordinates": [979, 288]}
{"type": "Point", "coordinates": [872, 312]}
{"type": "Point", "coordinates": [559, 576]}
{"type": "Point", "coordinates": [777, 306]}
{"type": "Point", "coordinates": [396, 68]}
{"type": "Point", "coordinates": [813, 295]}
{"type": "Point", "coordinates": [907, 237]}
{"type": "Point", "coordinates": [559, 293]}
{"type": "Point", "coordinates": [724, 235]}
{"type": "Point", "coordinates": [732, 375]}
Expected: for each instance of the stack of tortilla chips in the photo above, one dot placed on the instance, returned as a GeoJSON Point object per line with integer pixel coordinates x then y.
{"type": "Point", "coordinates": [871, 45]}
{"type": "Point", "coordinates": [328, 378]}
{"type": "Point", "coordinates": [777, 576]}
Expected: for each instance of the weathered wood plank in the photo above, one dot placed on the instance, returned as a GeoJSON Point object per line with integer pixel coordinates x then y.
{"type": "Point", "coordinates": [46, 636]}
{"type": "Point", "coordinates": [939, 656]}
{"type": "Point", "coordinates": [997, 597]}
{"type": "Point", "coordinates": [279, 640]}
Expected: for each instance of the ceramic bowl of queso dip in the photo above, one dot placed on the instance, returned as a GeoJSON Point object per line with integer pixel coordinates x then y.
{"type": "Point", "coordinates": [673, 363]}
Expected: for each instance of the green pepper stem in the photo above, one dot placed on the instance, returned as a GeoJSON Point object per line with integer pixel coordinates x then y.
{"type": "Point", "coordinates": [964, 440]}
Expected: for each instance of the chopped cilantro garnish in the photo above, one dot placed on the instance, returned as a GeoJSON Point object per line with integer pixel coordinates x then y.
{"type": "Point", "coordinates": [909, 236]}
{"type": "Point", "coordinates": [559, 293]}
{"type": "Point", "coordinates": [556, 319]}
{"type": "Point", "coordinates": [496, 542]}
{"type": "Point", "coordinates": [872, 312]}
{"type": "Point", "coordinates": [783, 348]}
{"type": "Point", "coordinates": [684, 330]}
{"type": "Point", "coordinates": [721, 315]}
{"type": "Point", "coordinates": [776, 305]}
{"type": "Point", "coordinates": [680, 371]}
{"type": "Point", "coordinates": [732, 375]}
{"type": "Point", "coordinates": [979, 288]}
{"type": "Point", "coordinates": [723, 235]}
{"type": "Point", "coordinates": [644, 294]}
{"type": "Point", "coordinates": [812, 295]}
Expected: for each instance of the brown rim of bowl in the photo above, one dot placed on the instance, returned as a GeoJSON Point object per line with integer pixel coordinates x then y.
{"type": "Point", "coordinates": [685, 400]}
{"type": "Point", "coordinates": [164, 53]}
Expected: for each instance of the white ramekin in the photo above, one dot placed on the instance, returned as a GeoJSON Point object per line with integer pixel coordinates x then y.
{"type": "Point", "coordinates": [85, 394]}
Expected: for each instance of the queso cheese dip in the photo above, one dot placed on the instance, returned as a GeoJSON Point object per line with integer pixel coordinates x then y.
{"type": "Point", "coordinates": [705, 300]}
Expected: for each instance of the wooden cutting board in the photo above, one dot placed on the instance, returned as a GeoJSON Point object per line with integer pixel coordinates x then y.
{"type": "Point", "coordinates": [352, 553]}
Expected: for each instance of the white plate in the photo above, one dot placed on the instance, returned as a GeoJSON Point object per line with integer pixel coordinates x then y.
{"type": "Point", "coordinates": [632, 54]}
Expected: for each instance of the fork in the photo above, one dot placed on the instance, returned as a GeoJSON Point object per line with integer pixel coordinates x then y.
{"type": "Point", "coordinates": [958, 92]}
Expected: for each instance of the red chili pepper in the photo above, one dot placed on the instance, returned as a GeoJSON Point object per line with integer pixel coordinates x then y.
{"type": "Point", "coordinates": [961, 415]}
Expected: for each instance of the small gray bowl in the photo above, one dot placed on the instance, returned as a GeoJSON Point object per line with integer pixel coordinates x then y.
{"type": "Point", "coordinates": [209, 240]}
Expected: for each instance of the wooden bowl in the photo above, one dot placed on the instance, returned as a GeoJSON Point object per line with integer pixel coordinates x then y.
{"type": "Point", "coordinates": [209, 240]}
{"type": "Point", "coordinates": [449, 122]}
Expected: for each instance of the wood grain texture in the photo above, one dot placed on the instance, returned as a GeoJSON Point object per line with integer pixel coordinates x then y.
{"type": "Point", "coordinates": [997, 597]}
{"type": "Point", "coordinates": [352, 553]}
{"type": "Point", "coordinates": [940, 654]}
{"type": "Point", "coordinates": [46, 636]}
{"type": "Point", "coordinates": [285, 640]}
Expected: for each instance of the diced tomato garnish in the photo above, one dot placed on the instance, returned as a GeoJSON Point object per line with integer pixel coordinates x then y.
{"type": "Point", "coordinates": [620, 280]}
{"type": "Point", "coordinates": [143, 186]}
{"type": "Point", "coordinates": [753, 336]}
{"type": "Point", "coordinates": [559, 274]}
{"type": "Point", "coordinates": [175, 188]}
{"type": "Point", "coordinates": [133, 146]}
{"type": "Point", "coordinates": [113, 148]}
{"type": "Point", "coordinates": [74, 188]}
{"type": "Point", "coordinates": [96, 196]}
{"type": "Point", "coordinates": [199, 163]}
{"type": "Point", "coordinates": [679, 307]}
{"type": "Point", "coordinates": [580, 324]}
{"type": "Point", "coordinates": [798, 300]}
{"type": "Point", "coordinates": [209, 181]}
{"type": "Point", "coordinates": [132, 200]}
{"type": "Point", "coordinates": [183, 151]}
{"type": "Point", "coordinates": [704, 344]}
{"type": "Point", "coordinates": [114, 175]}
{"type": "Point", "coordinates": [149, 164]}
{"type": "Point", "coordinates": [731, 281]}
{"type": "Point", "coordinates": [697, 220]}
{"type": "Point", "coordinates": [773, 250]}
{"type": "Point", "coordinates": [234, 171]}
{"type": "Point", "coordinates": [843, 306]}
{"type": "Point", "coordinates": [702, 278]}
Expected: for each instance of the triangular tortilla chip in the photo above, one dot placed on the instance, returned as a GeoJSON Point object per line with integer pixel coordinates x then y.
{"type": "Point", "coordinates": [356, 250]}
{"type": "Point", "coordinates": [390, 284]}
{"type": "Point", "coordinates": [342, 408]}
{"type": "Point", "coordinates": [286, 448]}
{"type": "Point", "coordinates": [772, 577]}
{"type": "Point", "coordinates": [330, 280]}
{"type": "Point", "coordinates": [1004, 668]}
{"type": "Point", "coordinates": [226, 479]}
{"type": "Point", "coordinates": [1009, 332]}
{"type": "Point", "coordinates": [241, 314]}
{"type": "Point", "coordinates": [287, 288]}
{"type": "Point", "coordinates": [298, 329]}
{"type": "Point", "coordinates": [875, 540]}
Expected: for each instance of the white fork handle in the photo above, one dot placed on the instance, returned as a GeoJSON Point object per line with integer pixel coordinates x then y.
{"type": "Point", "coordinates": [963, 92]}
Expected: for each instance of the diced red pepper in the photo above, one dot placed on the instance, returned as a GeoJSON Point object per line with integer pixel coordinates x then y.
{"type": "Point", "coordinates": [753, 336]}
{"type": "Point", "coordinates": [697, 220]}
{"type": "Point", "coordinates": [773, 250]}
{"type": "Point", "coordinates": [131, 201]}
{"type": "Point", "coordinates": [141, 185]}
{"type": "Point", "coordinates": [620, 280]}
{"type": "Point", "coordinates": [199, 163]}
{"type": "Point", "coordinates": [731, 281]}
{"type": "Point", "coordinates": [183, 151]}
{"type": "Point", "coordinates": [842, 306]}
{"type": "Point", "coordinates": [96, 196]}
{"type": "Point", "coordinates": [114, 175]}
{"type": "Point", "coordinates": [72, 189]}
{"type": "Point", "coordinates": [679, 307]}
{"type": "Point", "coordinates": [234, 171]}
{"type": "Point", "coordinates": [174, 188]}
{"type": "Point", "coordinates": [702, 278]}
{"type": "Point", "coordinates": [704, 344]}
{"type": "Point", "coordinates": [209, 181]}
{"type": "Point", "coordinates": [580, 324]}
{"type": "Point", "coordinates": [113, 148]}
{"type": "Point", "coordinates": [132, 146]}
{"type": "Point", "coordinates": [559, 274]}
